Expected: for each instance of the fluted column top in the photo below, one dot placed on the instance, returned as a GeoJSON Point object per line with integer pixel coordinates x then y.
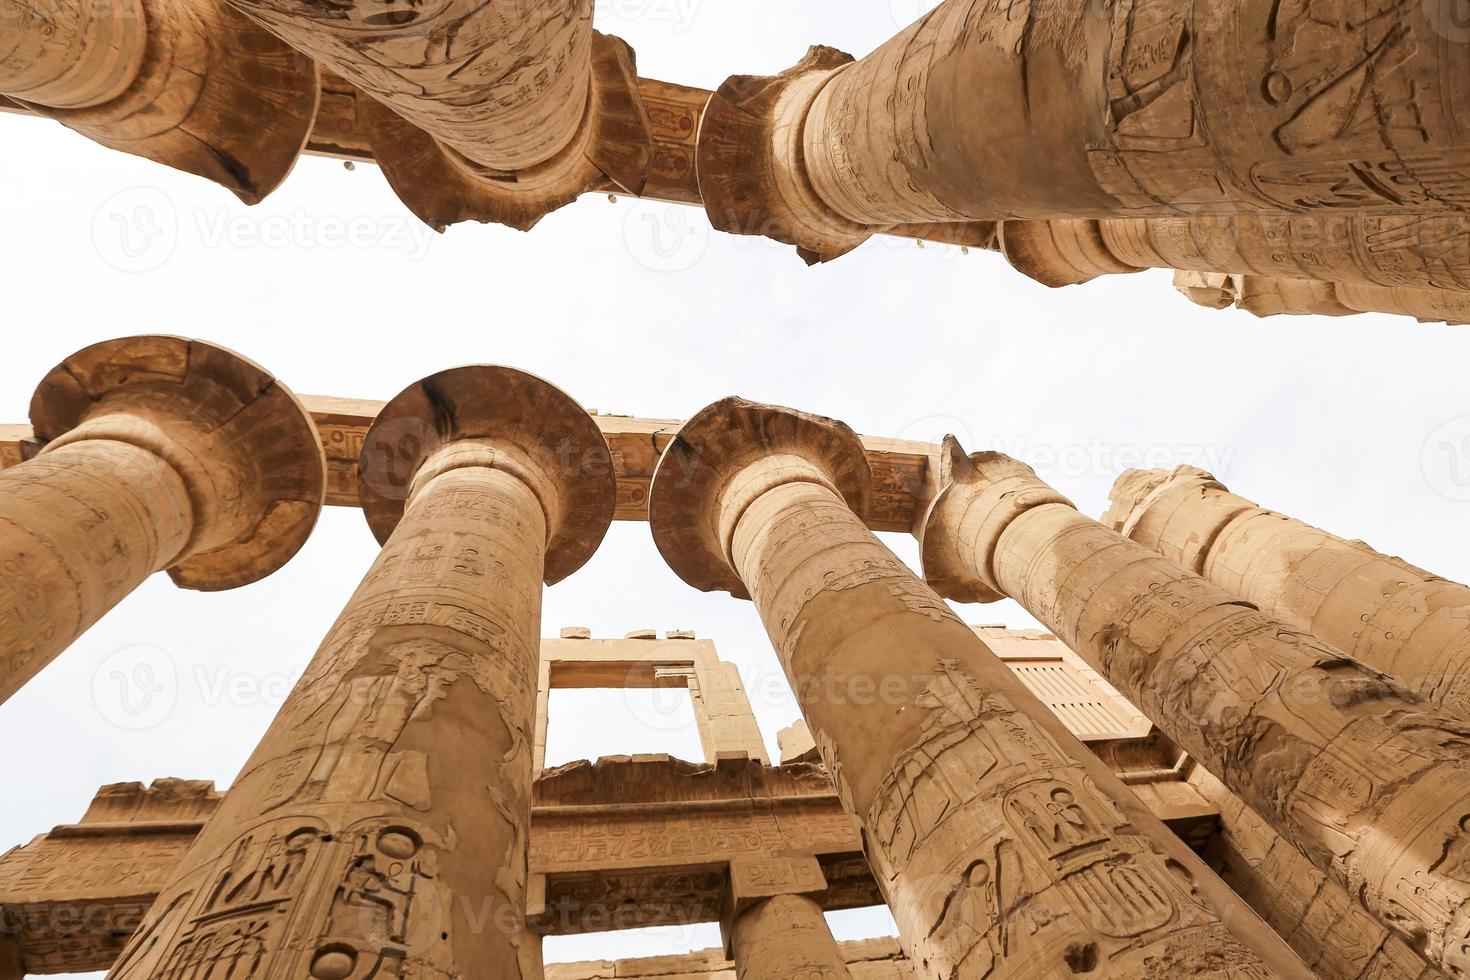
{"type": "Point", "coordinates": [725, 457]}
{"type": "Point", "coordinates": [979, 495]}
{"type": "Point", "coordinates": [502, 418]}
{"type": "Point", "coordinates": [1136, 491]}
{"type": "Point", "coordinates": [245, 446]}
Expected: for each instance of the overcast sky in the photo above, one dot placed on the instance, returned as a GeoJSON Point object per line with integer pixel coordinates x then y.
{"type": "Point", "coordinates": [1360, 425]}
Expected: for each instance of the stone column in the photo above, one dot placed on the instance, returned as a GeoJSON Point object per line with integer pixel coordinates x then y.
{"type": "Point", "coordinates": [1369, 783]}
{"type": "Point", "coordinates": [1041, 109]}
{"type": "Point", "coordinates": [524, 110]}
{"type": "Point", "coordinates": [1409, 251]}
{"type": "Point", "coordinates": [157, 453]}
{"type": "Point", "coordinates": [71, 55]}
{"type": "Point", "coordinates": [1379, 610]}
{"type": "Point", "coordinates": [380, 828]}
{"type": "Point", "coordinates": [773, 923]}
{"type": "Point", "coordinates": [191, 84]}
{"type": "Point", "coordinates": [1003, 846]}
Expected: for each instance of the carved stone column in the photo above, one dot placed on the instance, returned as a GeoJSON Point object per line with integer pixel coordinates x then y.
{"type": "Point", "coordinates": [1371, 784]}
{"type": "Point", "coordinates": [481, 111]}
{"type": "Point", "coordinates": [1043, 109]}
{"type": "Point", "coordinates": [1381, 611]}
{"type": "Point", "coordinates": [1004, 847]}
{"type": "Point", "coordinates": [380, 828]}
{"type": "Point", "coordinates": [1397, 251]}
{"type": "Point", "coordinates": [773, 922]}
{"type": "Point", "coordinates": [158, 453]}
{"type": "Point", "coordinates": [191, 84]}
{"type": "Point", "coordinates": [70, 55]}
{"type": "Point", "coordinates": [1273, 296]}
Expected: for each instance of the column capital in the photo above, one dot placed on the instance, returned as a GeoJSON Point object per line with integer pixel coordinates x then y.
{"type": "Point", "coordinates": [243, 444]}
{"type": "Point", "coordinates": [980, 494]}
{"type": "Point", "coordinates": [751, 164]}
{"type": "Point", "coordinates": [725, 457]}
{"type": "Point", "coordinates": [442, 186]}
{"type": "Point", "coordinates": [501, 418]}
{"type": "Point", "coordinates": [1136, 492]}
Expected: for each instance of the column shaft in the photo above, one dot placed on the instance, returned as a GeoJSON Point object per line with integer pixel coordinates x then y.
{"type": "Point", "coordinates": [980, 813]}
{"type": "Point", "coordinates": [10, 963]}
{"type": "Point", "coordinates": [80, 528]}
{"type": "Point", "coordinates": [70, 55]}
{"type": "Point", "coordinates": [1372, 785]}
{"type": "Point", "coordinates": [1381, 611]}
{"type": "Point", "coordinates": [1145, 108]}
{"type": "Point", "coordinates": [380, 828]}
{"type": "Point", "coordinates": [786, 938]}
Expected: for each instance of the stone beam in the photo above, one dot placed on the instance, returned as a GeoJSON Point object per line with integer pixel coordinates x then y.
{"type": "Point", "coordinates": [900, 468]}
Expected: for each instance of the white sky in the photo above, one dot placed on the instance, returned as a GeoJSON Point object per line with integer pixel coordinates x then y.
{"type": "Point", "coordinates": [1359, 425]}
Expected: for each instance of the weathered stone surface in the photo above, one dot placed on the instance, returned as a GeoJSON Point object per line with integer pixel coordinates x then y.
{"type": "Point", "coordinates": [978, 808]}
{"type": "Point", "coordinates": [1371, 784]}
{"type": "Point", "coordinates": [384, 819]}
{"type": "Point", "coordinates": [155, 453]}
{"type": "Point", "coordinates": [191, 84]}
{"type": "Point", "coordinates": [1383, 612]}
{"type": "Point", "coordinates": [785, 937]}
{"type": "Point", "coordinates": [1335, 937]}
{"type": "Point", "coordinates": [1274, 296]}
{"type": "Point", "coordinates": [1150, 110]}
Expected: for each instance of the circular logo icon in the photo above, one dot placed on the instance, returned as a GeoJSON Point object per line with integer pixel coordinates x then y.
{"type": "Point", "coordinates": [665, 238]}
{"type": "Point", "coordinates": [1445, 459]}
{"type": "Point", "coordinates": [136, 687]}
{"type": "Point", "coordinates": [136, 230]}
{"type": "Point", "coordinates": [392, 452]}
{"type": "Point", "coordinates": [659, 709]}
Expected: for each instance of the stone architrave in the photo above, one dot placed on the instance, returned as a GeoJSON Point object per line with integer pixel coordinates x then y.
{"type": "Point", "coordinates": [191, 84]}
{"type": "Point", "coordinates": [1043, 109]}
{"type": "Point", "coordinates": [157, 453]}
{"type": "Point", "coordinates": [773, 923]}
{"type": "Point", "coordinates": [381, 827]}
{"type": "Point", "coordinates": [1003, 847]}
{"type": "Point", "coordinates": [1383, 612]}
{"type": "Point", "coordinates": [1370, 783]}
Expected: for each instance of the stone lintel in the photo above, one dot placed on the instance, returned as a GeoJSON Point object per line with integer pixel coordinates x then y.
{"type": "Point", "coordinates": [898, 496]}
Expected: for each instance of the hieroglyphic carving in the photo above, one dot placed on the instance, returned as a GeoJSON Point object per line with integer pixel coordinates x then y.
{"type": "Point", "coordinates": [381, 827]}
{"type": "Point", "coordinates": [1369, 783]}
{"type": "Point", "coordinates": [954, 784]}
